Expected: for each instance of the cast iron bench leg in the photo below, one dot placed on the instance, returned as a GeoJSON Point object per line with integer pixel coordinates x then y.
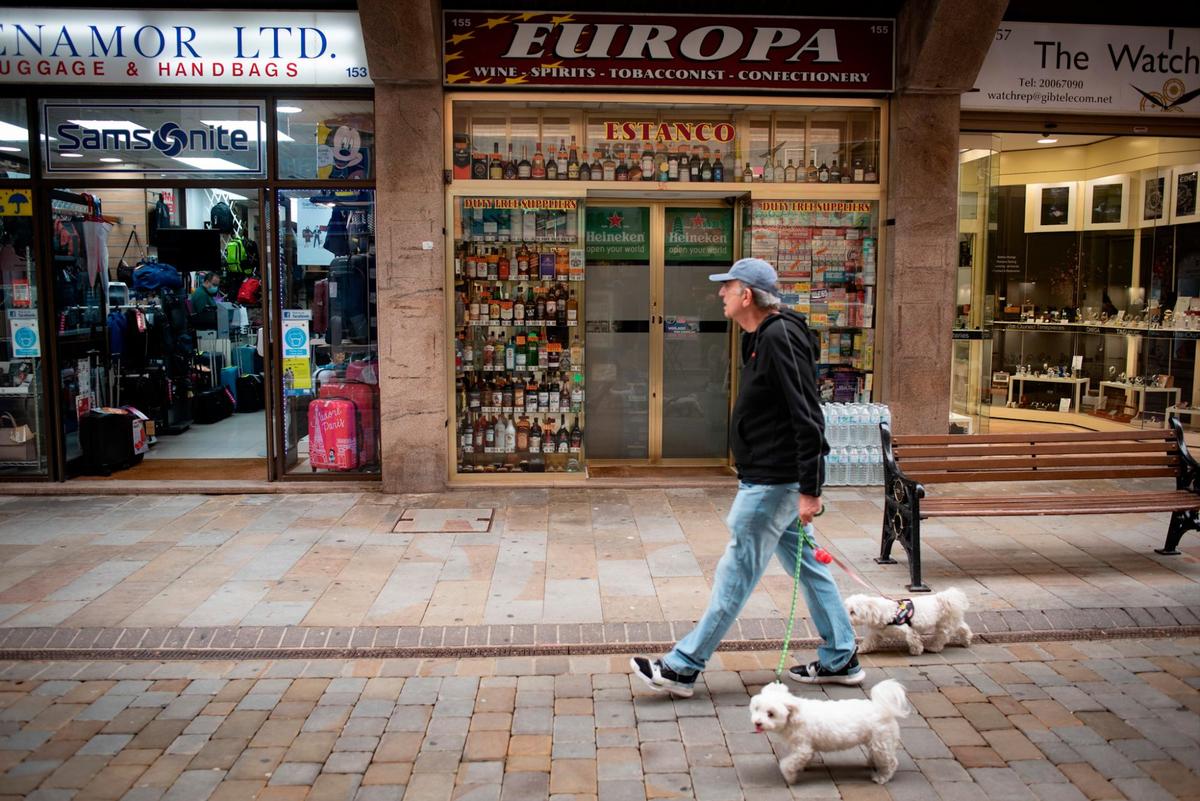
{"type": "Point", "coordinates": [886, 541]}
{"type": "Point", "coordinates": [1181, 523]}
{"type": "Point", "coordinates": [914, 555]}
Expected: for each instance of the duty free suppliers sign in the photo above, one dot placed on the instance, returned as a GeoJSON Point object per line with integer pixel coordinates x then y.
{"type": "Point", "coordinates": [667, 51]}
{"type": "Point", "coordinates": [179, 46]}
{"type": "Point", "coordinates": [1090, 69]}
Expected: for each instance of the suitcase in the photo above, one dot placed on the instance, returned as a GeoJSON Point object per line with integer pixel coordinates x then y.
{"type": "Point", "coordinates": [212, 405]}
{"type": "Point", "coordinates": [249, 394]}
{"type": "Point", "coordinates": [366, 400]}
{"type": "Point", "coordinates": [107, 440]}
{"type": "Point", "coordinates": [229, 380]}
{"type": "Point", "coordinates": [334, 435]}
{"type": "Point", "coordinates": [247, 360]}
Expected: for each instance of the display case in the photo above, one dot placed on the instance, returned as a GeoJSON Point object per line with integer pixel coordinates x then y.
{"type": "Point", "coordinates": [664, 143]}
{"type": "Point", "coordinates": [826, 255]}
{"type": "Point", "coordinates": [519, 360]}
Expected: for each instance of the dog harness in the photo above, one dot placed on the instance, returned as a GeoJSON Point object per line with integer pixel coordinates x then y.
{"type": "Point", "coordinates": [904, 614]}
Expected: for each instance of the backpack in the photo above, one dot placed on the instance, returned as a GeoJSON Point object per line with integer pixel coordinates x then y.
{"type": "Point", "coordinates": [250, 293]}
{"type": "Point", "coordinates": [221, 218]}
{"type": "Point", "coordinates": [236, 260]}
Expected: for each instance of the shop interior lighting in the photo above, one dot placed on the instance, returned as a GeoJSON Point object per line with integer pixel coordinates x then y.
{"type": "Point", "coordinates": [288, 109]}
{"type": "Point", "coordinates": [248, 127]}
{"type": "Point", "coordinates": [9, 149]}
{"type": "Point", "coordinates": [71, 155]}
{"type": "Point", "coordinates": [12, 133]}
{"type": "Point", "coordinates": [111, 160]}
{"type": "Point", "coordinates": [1047, 139]}
{"type": "Point", "coordinates": [123, 125]}
{"type": "Point", "coordinates": [206, 163]}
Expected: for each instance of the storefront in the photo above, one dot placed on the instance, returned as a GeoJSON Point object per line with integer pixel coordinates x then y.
{"type": "Point", "coordinates": [1079, 231]}
{"type": "Point", "coordinates": [601, 167]}
{"type": "Point", "coordinates": [187, 246]}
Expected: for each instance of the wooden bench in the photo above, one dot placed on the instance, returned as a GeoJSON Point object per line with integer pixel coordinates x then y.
{"type": "Point", "coordinates": [911, 462]}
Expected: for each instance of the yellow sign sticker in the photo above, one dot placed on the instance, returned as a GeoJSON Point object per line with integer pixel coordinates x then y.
{"type": "Point", "coordinates": [16, 203]}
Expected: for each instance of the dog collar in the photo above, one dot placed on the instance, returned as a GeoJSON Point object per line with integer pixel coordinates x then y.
{"type": "Point", "coordinates": [904, 614]}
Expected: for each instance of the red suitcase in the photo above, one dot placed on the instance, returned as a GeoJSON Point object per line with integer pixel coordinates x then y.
{"type": "Point", "coordinates": [333, 435]}
{"type": "Point", "coordinates": [365, 398]}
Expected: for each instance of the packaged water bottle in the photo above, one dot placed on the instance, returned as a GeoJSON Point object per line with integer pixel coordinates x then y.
{"type": "Point", "coordinates": [856, 437]}
{"type": "Point", "coordinates": [851, 466]}
{"type": "Point", "coordinates": [831, 423]}
{"type": "Point", "coordinates": [836, 477]}
{"type": "Point", "coordinates": [875, 419]}
{"type": "Point", "coordinates": [864, 466]}
{"type": "Point", "coordinates": [876, 466]}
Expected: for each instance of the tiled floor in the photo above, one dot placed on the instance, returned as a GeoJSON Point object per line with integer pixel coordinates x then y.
{"type": "Point", "coordinates": [1057, 721]}
{"type": "Point", "coordinates": [239, 436]}
{"type": "Point", "coordinates": [562, 556]}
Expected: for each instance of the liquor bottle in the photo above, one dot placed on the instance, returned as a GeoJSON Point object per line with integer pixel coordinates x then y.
{"type": "Point", "coordinates": [479, 166]}
{"type": "Point", "coordinates": [524, 168]}
{"type": "Point", "coordinates": [560, 318]}
{"type": "Point", "coordinates": [535, 436]}
{"type": "Point", "coordinates": [635, 168]}
{"type": "Point", "coordinates": [718, 169]}
{"type": "Point", "coordinates": [506, 396]}
{"type": "Point", "coordinates": [523, 262]}
{"type": "Point", "coordinates": [621, 172]}
{"type": "Point", "coordinates": [466, 436]}
{"type": "Point", "coordinates": [585, 170]}
{"type": "Point", "coordinates": [685, 164]}
{"type": "Point", "coordinates": [489, 351]}
{"type": "Point", "coordinates": [543, 355]}
{"type": "Point", "coordinates": [519, 395]}
{"type": "Point", "coordinates": [859, 172]}
{"type": "Point", "coordinates": [510, 166]}
{"type": "Point", "coordinates": [498, 435]}
{"type": "Point", "coordinates": [811, 174]}
{"type": "Point", "coordinates": [522, 441]}
{"type": "Point", "coordinates": [519, 305]}
{"type": "Point", "coordinates": [510, 437]}
{"type": "Point", "coordinates": [572, 309]}
{"type": "Point", "coordinates": [539, 163]}
{"type": "Point", "coordinates": [489, 436]}
{"type": "Point", "coordinates": [835, 172]}
{"type": "Point", "coordinates": [576, 352]}
{"type": "Point", "coordinates": [503, 265]}
{"type": "Point", "coordinates": [647, 163]}
{"type": "Point", "coordinates": [531, 350]}
{"type": "Point", "coordinates": [510, 358]}
{"type": "Point", "coordinates": [694, 165]}
{"type": "Point", "coordinates": [541, 305]}
{"type": "Point", "coordinates": [553, 356]}
{"type": "Point", "coordinates": [748, 174]}
{"type": "Point", "coordinates": [673, 167]}
{"type": "Point", "coordinates": [780, 174]}
{"type": "Point", "coordinates": [870, 176]}
{"type": "Point", "coordinates": [552, 170]}
{"type": "Point", "coordinates": [789, 172]}
{"type": "Point", "coordinates": [564, 401]}
{"type": "Point", "coordinates": [474, 396]}
{"type": "Point", "coordinates": [598, 165]}
{"type": "Point", "coordinates": [468, 352]}
{"type": "Point", "coordinates": [564, 436]}
{"type": "Point", "coordinates": [662, 164]}
{"type": "Point", "coordinates": [551, 306]}
{"type": "Point", "coordinates": [576, 436]}
{"type": "Point", "coordinates": [577, 393]}
{"type": "Point", "coordinates": [768, 170]}
{"type": "Point", "coordinates": [823, 173]}
{"type": "Point", "coordinates": [495, 166]}
{"type": "Point", "coordinates": [553, 397]}
{"type": "Point", "coordinates": [706, 170]}
{"type": "Point", "coordinates": [608, 170]}
{"type": "Point", "coordinates": [573, 162]}
{"type": "Point", "coordinates": [480, 438]}
{"type": "Point", "coordinates": [543, 396]}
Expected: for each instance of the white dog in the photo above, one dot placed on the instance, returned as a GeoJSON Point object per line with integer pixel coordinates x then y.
{"type": "Point", "coordinates": [809, 726]}
{"type": "Point", "coordinates": [940, 616]}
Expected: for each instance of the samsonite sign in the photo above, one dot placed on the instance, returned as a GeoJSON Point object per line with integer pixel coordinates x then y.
{"type": "Point", "coordinates": [1090, 69]}
{"type": "Point", "coordinates": [597, 50]}
{"type": "Point", "coordinates": [181, 47]}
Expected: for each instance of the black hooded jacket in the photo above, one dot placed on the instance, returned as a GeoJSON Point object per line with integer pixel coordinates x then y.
{"type": "Point", "coordinates": [778, 430]}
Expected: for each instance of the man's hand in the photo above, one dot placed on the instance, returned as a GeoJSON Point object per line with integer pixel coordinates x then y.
{"type": "Point", "coordinates": [810, 507]}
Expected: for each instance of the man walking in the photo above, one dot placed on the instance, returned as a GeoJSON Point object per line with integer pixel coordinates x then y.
{"type": "Point", "coordinates": [778, 441]}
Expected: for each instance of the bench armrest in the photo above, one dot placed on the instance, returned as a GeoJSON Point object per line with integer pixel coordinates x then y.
{"type": "Point", "coordinates": [1189, 469]}
{"type": "Point", "coordinates": [897, 487]}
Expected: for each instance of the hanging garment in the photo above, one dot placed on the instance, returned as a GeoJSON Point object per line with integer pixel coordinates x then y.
{"type": "Point", "coordinates": [95, 246]}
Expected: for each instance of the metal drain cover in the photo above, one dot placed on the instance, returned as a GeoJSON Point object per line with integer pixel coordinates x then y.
{"type": "Point", "coordinates": [446, 521]}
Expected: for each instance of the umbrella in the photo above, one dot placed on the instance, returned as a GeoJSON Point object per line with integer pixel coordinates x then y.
{"type": "Point", "coordinates": [17, 199]}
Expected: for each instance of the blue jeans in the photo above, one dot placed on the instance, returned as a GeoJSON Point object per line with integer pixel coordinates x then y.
{"type": "Point", "coordinates": [762, 521]}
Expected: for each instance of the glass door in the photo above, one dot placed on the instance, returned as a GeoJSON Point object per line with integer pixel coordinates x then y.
{"type": "Point", "coordinates": [658, 369]}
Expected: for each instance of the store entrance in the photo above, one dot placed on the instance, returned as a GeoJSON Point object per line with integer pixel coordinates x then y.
{"type": "Point", "coordinates": [159, 313]}
{"type": "Point", "coordinates": [658, 346]}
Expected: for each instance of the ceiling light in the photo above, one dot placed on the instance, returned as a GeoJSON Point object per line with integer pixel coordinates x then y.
{"type": "Point", "coordinates": [288, 109]}
{"type": "Point", "coordinates": [8, 149]}
{"type": "Point", "coordinates": [71, 155]}
{"type": "Point", "coordinates": [1047, 140]}
{"type": "Point", "coordinates": [12, 133]}
{"type": "Point", "coordinates": [111, 160]}
{"type": "Point", "coordinates": [110, 125]}
{"type": "Point", "coordinates": [247, 127]}
{"type": "Point", "coordinates": [230, 195]}
{"type": "Point", "coordinates": [214, 164]}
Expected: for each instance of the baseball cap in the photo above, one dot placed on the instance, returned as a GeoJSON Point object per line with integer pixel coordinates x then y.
{"type": "Point", "coordinates": [751, 272]}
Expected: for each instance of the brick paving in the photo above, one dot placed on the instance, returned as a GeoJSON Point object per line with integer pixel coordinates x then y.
{"type": "Point", "coordinates": [562, 567]}
{"type": "Point", "coordinates": [1053, 721]}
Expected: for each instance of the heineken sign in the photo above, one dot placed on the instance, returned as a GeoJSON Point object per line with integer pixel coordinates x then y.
{"type": "Point", "coordinates": [617, 233]}
{"type": "Point", "coordinates": [667, 51]}
{"type": "Point", "coordinates": [699, 235]}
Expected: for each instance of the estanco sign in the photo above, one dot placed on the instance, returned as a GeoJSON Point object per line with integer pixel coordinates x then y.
{"type": "Point", "coordinates": [181, 47]}
{"type": "Point", "coordinates": [597, 50]}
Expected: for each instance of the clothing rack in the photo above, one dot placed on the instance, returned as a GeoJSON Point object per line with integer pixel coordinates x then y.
{"type": "Point", "coordinates": [73, 204]}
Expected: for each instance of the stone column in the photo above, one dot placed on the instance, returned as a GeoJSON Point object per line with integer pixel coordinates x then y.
{"type": "Point", "coordinates": [401, 40]}
{"type": "Point", "coordinates": [940, 46]}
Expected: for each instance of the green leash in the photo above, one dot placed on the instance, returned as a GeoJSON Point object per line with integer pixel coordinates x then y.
{"type": "Point", "coordinates": [803, 538]}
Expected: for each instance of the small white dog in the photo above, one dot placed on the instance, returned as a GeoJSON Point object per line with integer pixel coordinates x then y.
{"type": "Point", "coordinates": [940, 616]}
{"type": "Point", "coordinates": [809, 726]}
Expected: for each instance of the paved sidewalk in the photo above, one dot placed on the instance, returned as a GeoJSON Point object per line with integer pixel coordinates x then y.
{"type": "Point", "coordinates": [561, 566]}
{"type": "Point", "coordinates": [1062, 721]}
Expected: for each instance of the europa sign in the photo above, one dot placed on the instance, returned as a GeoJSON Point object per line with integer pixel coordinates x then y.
{"type": "Point", "coordinates": [599, 50]}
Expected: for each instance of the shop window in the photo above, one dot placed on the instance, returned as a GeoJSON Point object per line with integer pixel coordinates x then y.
{"type": "Point", "coordinates": [652, 141]}
{"type": "Point", "coordinates": [330, 365]}
{"type": "Point", "coordinates": [1082, 283]}
{"type": "Point", "coordinates": [23, 427]}
{"type": "Point", "coordinates": [326, 139]}
{"type": "Point", "coordinates": [14, 139]}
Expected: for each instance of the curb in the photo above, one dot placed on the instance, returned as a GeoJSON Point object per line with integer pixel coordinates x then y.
{"type": "Point", "coordinates": [484, 651]}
